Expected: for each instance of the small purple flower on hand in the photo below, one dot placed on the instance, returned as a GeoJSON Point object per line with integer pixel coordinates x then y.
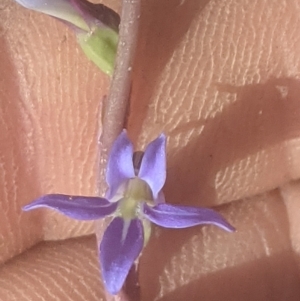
{"type": "Point", "coordinates": [134, 199]}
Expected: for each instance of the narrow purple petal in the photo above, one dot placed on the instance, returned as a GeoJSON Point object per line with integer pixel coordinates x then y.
{"type": "Point", "coordinates": [120, 165]}
{"type": "Point", "coordinates": [153, 167]}
{"type": "Point", "coordinates": [61, 9]}
{"type": "Point", "coordinates": [77, 207]}
{"type": "Point", "coordinates": [121, 244]}
{"type": "Point", "coordinates": [38, 4]}
{"type": "Point", "coordinates": [171, 216]}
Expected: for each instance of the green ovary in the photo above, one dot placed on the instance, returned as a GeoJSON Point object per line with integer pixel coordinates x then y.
{"type": "Point", "coordinates": [136, 192]}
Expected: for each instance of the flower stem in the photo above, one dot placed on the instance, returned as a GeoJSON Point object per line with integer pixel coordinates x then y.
{"type": "Point", "coordinates": [115, 107]}
{"type": "Point", "coordinates": [113, 116]}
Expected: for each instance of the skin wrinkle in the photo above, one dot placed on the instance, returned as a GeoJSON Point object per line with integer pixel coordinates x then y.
{"type": "Point", "coordinates": [63, 252]}
{"type": "Point", "coordinates": [62, 264]}
{"type": "Point", "coordinates": [15, 172]}
{"type": "Point", "coordinates": [81, 265]}
{"type": "Point", "coordinates": [17, 281]}
{"type": "Point", "coordinates": [79, 293]}
{"type": "Point", "coordinates": [45, 290]}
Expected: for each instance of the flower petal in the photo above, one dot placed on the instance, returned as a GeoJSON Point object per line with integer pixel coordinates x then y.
{"type": "Point", "coordinates": [120, 164]}
{"type": "Point", "coordinates": [77, 207]}
{"type": "Point", "coordinates": [171, 216]}
{"type": "Point", "coordinates": [121, 244]}
{"type": "Point", "coordinates": [153, 166]}
{"type": "Point", "coordinates": [61, 9]}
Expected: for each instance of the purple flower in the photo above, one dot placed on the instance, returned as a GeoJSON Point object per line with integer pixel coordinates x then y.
{"type": "Point", "coordinates": [134, 199]}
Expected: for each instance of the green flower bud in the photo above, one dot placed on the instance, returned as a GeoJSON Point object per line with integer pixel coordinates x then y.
{"type": "Point", "coordinates": [95, 26]}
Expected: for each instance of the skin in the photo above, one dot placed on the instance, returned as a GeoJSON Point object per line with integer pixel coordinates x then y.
{"type": "Point", "coordinates": [220, 78]}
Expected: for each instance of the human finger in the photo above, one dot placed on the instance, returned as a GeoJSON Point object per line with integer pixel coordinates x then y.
{"type": "Point", "coordinates": [221, 80]}
{"type": "Point", "coordinates": [54, 271]}
{"type": "Point", "coordinates": [257, 262]}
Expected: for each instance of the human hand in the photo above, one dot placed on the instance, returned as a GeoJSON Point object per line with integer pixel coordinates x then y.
{"type": "Point", "coordinates": [221, 80]}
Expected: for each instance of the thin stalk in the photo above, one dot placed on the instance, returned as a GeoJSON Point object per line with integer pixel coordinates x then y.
{"type": "Point", "coordinates": [113, 117]}
{"type": "Point", "coordinates": [115, 106]}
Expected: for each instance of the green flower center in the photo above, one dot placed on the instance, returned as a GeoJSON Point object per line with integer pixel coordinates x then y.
{"type": "Point", "coordinates": [135, 192]}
